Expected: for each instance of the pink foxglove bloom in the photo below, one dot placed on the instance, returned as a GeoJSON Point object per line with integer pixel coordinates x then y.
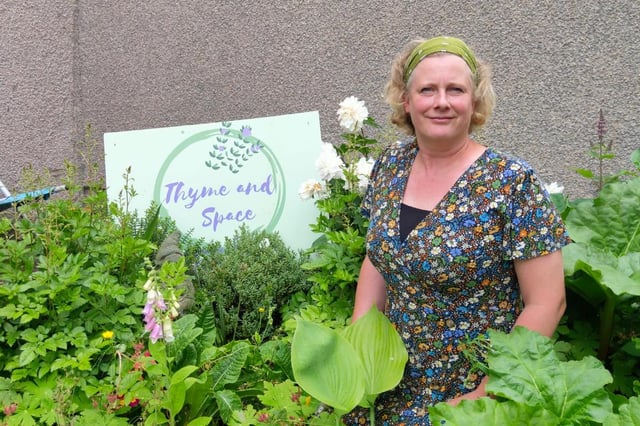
{"type": "Point", "coordinates": [329, 164]}
{"type": "Point", "coordinates": [156, 333]}
{"type": "Point", "coordinates": [352, 114]}
{"type": "Point", "coordinates": [155, 304]}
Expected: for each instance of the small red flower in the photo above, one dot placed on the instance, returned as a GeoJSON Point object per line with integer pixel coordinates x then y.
{"type": "Point", "coordinates": [134, 403]}
{"type": "Point", "coordinates": [263, 417]}
{"type": "Point", "coordinates": [10, 409]}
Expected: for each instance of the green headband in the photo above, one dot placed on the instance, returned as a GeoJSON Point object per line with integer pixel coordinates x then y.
{"type": "Point", "coordinates": [440, 44]}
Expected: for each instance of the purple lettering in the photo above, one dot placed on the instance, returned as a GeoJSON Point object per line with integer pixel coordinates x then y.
{"type": "Point", "coordinates": [214, 218]}
{"type": "Point", "coordinates": [266, 187]}
{"type": "Point", "coordinates": [176, 193]}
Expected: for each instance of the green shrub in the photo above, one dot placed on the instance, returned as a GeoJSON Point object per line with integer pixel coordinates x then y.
{"type": "Point", "coordinates": [247, 280]}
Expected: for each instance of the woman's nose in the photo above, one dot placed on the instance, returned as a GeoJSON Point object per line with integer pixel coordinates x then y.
{"type": "Point", "coordinates": [442, 99]}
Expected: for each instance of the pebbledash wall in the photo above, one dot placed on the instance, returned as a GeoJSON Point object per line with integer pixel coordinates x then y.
{"type": "Point", "coordinates": [123, 65]}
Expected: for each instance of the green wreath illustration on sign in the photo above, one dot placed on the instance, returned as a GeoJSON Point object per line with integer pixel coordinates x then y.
{"type": "Point", "coordinates": [230, 152]}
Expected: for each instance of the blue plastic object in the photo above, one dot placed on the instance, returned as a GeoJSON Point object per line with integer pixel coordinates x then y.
{"type": "Point", "coordinates": [19, 199]}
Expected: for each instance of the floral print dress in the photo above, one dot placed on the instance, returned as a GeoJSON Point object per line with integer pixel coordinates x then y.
{"type": "Point", "coordinates": [453, 277]}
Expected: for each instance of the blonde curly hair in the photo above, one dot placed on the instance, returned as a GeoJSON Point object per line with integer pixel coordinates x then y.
{"type": "Point", "coordinates": [395, 92]}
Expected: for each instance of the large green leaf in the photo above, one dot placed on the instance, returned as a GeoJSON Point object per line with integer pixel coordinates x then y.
{"type": "Point", "coordinates": [524, 368]}
{"type": "Point", "coordinates": [381, 350]}
{"type": "Point", "coordinates": [227, 368]}
{"type": "Point", "coordinates": [326, 366]}
{"type": "Point", "coordinates": [628, 414]}
{"type": "Point", "coordinates": [228, 402]}
{"type": "Point", "coordinates": [536, 388]}
{"type": "Point", "coordinates": [611, 221]}
{"type": "Point", "coordinates": [487, 411]}
{"type": "Point", "coordinates": [620, 274]}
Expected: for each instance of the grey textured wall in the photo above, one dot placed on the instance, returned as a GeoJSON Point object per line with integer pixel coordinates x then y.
{"type": "Point", "coordinates": [122, 65]}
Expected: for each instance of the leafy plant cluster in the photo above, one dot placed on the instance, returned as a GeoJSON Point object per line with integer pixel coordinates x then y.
{"type": "Point", "coordinates": [602, 273]}
{"type": "Point", "coordinates": [334, 259]}
{"type": "Point", "coordinates": [67, 285]}
{"type": "Point", "coordinates": [74, 349]}
{"type": "Point", "coordinates": [530, 384]}
{"type": "Point", "coordinates": [247, 280]}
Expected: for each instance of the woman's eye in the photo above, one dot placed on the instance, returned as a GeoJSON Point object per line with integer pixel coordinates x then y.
{"type": "Point", "coordinates": [426, 90]}
{"type": "Point", "coordinates": [456, 89]}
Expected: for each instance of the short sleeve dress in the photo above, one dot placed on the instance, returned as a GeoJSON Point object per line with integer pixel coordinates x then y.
{"type": "Point", "coordinates": [453, 276]}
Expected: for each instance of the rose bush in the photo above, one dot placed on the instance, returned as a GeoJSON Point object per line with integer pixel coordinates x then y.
{"type": "Point", "coordinates": [335, 257]}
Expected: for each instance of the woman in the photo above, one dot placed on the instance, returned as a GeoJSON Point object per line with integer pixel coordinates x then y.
{"type": "Point", "coordinates": [462, 238]}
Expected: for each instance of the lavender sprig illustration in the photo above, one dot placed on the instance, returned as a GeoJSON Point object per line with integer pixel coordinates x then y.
{"type": "Point", "coordinates": [233, 148]}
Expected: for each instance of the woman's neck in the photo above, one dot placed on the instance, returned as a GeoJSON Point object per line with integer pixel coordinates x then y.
{"type": "Point", "coordinates": [436, 156]}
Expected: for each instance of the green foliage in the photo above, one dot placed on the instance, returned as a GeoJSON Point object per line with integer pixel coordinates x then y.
{"type": "Point", "coordinates": [348, 368]}
{"type": "Point", "coordinates": [284, 403]}
{"type": "Point", "coordinates": [604, 258]}
{"type": "Point", "coordinates": [337, 254]}
{"type": "Point", "coordinates": [532, 386]}
{"type": "Point", "coordinates": [247, 280]}
{"type": "Point", "coordinates": [628, 414]}
{"type": "Point", "coordinates": [603, 279]}
{"type": "Point", "coordinates": [602, 151]}
{"type": "Point", "coordinates": [68, 301]}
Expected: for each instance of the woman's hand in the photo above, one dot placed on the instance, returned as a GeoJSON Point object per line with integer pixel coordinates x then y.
{"type": "Point", "coordinates": [474, 394]}
{"type": "Point", "coordinates": [478, 392]}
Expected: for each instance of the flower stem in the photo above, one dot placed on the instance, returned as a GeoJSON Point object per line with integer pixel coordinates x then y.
{"type": "Point", "coordinates": [606, 326]}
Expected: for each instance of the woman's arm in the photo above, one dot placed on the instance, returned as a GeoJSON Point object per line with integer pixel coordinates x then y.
{"type": "Point", "coordinates": [371, 290]}
{"type": "Point", "coordinates": [543, 292]}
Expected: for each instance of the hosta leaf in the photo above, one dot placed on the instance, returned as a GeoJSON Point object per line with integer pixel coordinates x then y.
{"type": "Point", "coordinates": [381, 350]}
{"type": "Point", "coordinates": [326, 366]}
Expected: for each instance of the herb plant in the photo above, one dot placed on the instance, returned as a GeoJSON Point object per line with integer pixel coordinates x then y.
{"type": "Point", "coordinates": [246, 280]}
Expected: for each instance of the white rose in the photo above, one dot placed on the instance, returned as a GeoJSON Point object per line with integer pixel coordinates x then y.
{"type": "Point", "coordinates": [554, 188]}
{"type": "Point", "coordinates": [363, 171]}
{"type": "Point", "coordinates": [329, 164]}
{"type": "Point", "coordinates": [312, 188]}
{"type": "Point", "coordinates": [352, 114]}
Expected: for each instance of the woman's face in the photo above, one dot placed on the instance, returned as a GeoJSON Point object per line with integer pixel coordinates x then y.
{"type": "Point", "coordinates": [440, 98]}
